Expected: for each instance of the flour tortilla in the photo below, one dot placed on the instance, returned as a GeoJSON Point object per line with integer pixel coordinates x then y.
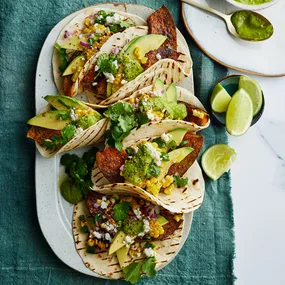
{"type": "Point", "coordinates": [76, 24]}
{"type": "Point", "coordinates": [168, 70]}
{"type": "Point", "coordinates": [91, 135]}
{"type": "Point", "coordinates": [108, 266]}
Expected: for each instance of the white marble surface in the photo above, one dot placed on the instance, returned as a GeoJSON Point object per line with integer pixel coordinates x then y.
{"type": "Point", "coordinates": [258, 190]}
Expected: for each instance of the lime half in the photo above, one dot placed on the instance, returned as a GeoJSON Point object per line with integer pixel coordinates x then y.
{"type": "Point", "coordinates": [239, 113]}
{"type": "Point", "coordinates": [217, 160]}
{"type": "Point", "coordinates": [220, 99]}
{"type": "Point", "coordinates": [252, 87]}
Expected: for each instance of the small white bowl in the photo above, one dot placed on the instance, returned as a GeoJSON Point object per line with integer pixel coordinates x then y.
{"type": "Point", "coordinates": [252, 7]}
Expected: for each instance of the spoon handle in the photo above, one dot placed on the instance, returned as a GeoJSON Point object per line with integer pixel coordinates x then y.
{"type": "Point", "coordinates": [206, 8]}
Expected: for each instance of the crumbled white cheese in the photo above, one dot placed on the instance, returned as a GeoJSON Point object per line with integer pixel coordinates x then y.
{"type": "Point", "coordinates": [113, 19]}
{"type": "Point", "coordinates": [96, 68]}
{"type": "Point", "coordinates": [158, 56]}
{"type": "Point", "coordinates": [108, 226]}
{"type": "Point", "coordinates": [78, 131]}
{"type": "Point", "coordinates": [150, 115]}
{"type": "Point", "coordinates": [135, 148]}
{"type": "Point", "coordinates": [110, 77]}
{"type": "Point", "coordinates": [108, 237]}
{"type": "Point", "coordinates": [94, 83]}
{"type": "Point", "coordinates": [146, 228]}
{"type": "Point", "coordinates": [100, 17]}
{"type": "Point", "coordinates": [97, 235]}
{"type": "Point", "coordinates": [73, 116]}
{"type": "Point", "coordinates": [98, 31]}
{"type": "Point", "coordinates": [149, 252]}
{"type": "Point", "coordinates": [154, 153]}
{"type": "Point", "coordinates": [115, 62]}
{"type": "Point", "coordinates": [104, 205]}
{"type": "Point", "coordinates": [124, 81]}
{"type": "Point", "coordinates": [138, 213]}
{"type": "Point", "coordinates": [128, 241]}
{"type": "Point", "coordinates": [165, 137]}
{"type": "Point", "coordinates": [104, 198]}
{"type": "Point", "coordinates": [80, 36]}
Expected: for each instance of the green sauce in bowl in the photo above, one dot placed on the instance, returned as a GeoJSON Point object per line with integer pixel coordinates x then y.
{"type": "Point", "coordinates": [253, 2]}
{"type": "Point", "coordinates": [251, 27]}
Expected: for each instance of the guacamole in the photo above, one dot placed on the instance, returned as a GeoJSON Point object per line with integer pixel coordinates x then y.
{"type": "Point", "coordinates": [136, 168]}
{"type": "Point", "coordinates": [251, 27]}
{"type": "Point", "coordinates": [132, 228]}
{"type": "Point", "coordinates": [87, 121]}
{"type": "Point", "coordinates": [174, 111]}
{"type": "Point", "coordinates": [131, 68]}
{"type": "Point", "coordinates": [253, 2]}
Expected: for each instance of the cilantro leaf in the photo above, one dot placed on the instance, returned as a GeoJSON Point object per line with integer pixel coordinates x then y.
{"type": "Point", "coordinates": [63, 56]}
{"type": "Point", "coordinates": [180, 181]}
{"type": "Point", "coordinates": [141, 118]}
{"type": "Point", "coordinates": [106, 63]}
{"type": "Point", "coordinates": [153, 170]}
{"type": "Point", "coordinates": [121, 210]}
{"type": "Point", "coordinates": [49, 144]}
{"type": "Point", "coordinates": [132, 272]}
{"type": "Point", "coordinates": [68, 133]}
{"type": "Point", "coordinates": [164, 156]}
{"type": "Point", "coordinates": [64, 116]}
{"type": "Point", "coordinates": [148, 267]}
{"type": "Point", "coordinates": [125, 24]}
{"type": "Point", "coordinates": [160, 142]}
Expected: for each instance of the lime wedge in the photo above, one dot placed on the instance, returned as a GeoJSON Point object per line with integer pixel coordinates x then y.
{"type": "Point", "coordinates": [220, 99]}
{"type": "Point", "coordinates": [252, 87]}
{"type": "Point", "coordinates": [217, 160]}
{"type": "Point", "coordinates": [239, 113]}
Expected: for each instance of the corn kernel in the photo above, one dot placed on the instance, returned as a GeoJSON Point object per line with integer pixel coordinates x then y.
{"type": "Point", "coordinates": [168, 180]}
{"type": "Point", "coordinates": [91, 242]}
{"type": "Point", "coordinates": [86, 31]}
{"type": "Point", "coordinates": [83, 223]}
{"type": "Point", "coordinates": [87, 22]}
{"type": "Point", "coordinates": [168, 190]}
{"type": "Point", "coordinates": [132, 100]}
{"type": "Point", "coordinates": [177, 218]}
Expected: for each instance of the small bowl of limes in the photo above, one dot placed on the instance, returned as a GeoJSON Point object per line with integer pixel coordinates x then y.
{"type": "Point", "coordinates": [237, 102]}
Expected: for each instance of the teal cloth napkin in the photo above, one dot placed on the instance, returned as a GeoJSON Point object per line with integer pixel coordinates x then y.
{"type": "Point", "coordinates": [26, 258]}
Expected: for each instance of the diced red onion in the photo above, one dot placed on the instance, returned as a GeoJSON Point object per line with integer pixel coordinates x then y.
{"type": "Point", "coordinates": [89, 35]}
{"type": "Point", "coordinates": [128, 40]}
{"type": "Point", "coordinates": [162, 91]}
{"type": "Point", "coordinates": [96, 205]}
{"type": "Point", "coordinates": [84, 44]}
{"type": "Point", "coordinates": [67, 34]}
{"type": "Point", "coordinates": [115, 50]}
{"type": "Point", "coordinates": [122, 167]}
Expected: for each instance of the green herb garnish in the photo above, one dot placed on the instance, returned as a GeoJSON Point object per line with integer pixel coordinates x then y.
{"type": "Point", "coordinates": [134, 271]}
{"type": "Point", "coordinates": [160, 142]}
{"type": "Point", "coordinates": [164, 156]}
{"type": "Point", "coordinates": [180, 181]}
{"type": "Point", "coordinates": [153, 171]}
{"type": "Point", "coordinates": [63, 56]}
{"type": "Point", "coordinates": [121, 210]}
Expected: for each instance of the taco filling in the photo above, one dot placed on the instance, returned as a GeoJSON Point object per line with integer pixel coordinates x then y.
{"type": "Point", "coordinates": [156, 165]}
{"type": "Point", "coordinates": [124, 64]}
{"type": "Point", "coordinates": [66, 118]}
{"type": "Point", "coordinates": [127, 226]}
{"type": "Point", "coordinates": [81, 43]}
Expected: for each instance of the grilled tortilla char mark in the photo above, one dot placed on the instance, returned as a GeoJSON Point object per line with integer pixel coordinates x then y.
{"type": "Point", "coordinates": [196, 115]}
{"type": "Point", "coordinates": [161, 22]}
{"type": "Point", "coordinates": [109, 162]}
{"type": "Point", "coordinates": [194, 141]}
{"type": "Point", "coordinates": [164, 52]}
{"type": "Point", "coordinates": [37, 133]}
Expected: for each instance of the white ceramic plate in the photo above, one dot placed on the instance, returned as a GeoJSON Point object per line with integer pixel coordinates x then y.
{"type": "Point", "coordinates": [54, 213]}
{"type": "Point", "coordinates": [261, 58]}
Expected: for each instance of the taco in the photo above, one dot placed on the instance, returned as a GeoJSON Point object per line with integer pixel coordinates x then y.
{"type": "Point", "coordinates": [82, 38]}
{"type": "Point", "coordinates": [132, 59]}
{"type": "Point", "coordinates": [120, 235]}
{"type": "Point", "coordinates": [161, 169]}
{"type": "Point", "coordinates": [65, 124]}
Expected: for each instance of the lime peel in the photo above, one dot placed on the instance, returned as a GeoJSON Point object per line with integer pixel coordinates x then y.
{"type": "Point", "coordinates": [217, 160]}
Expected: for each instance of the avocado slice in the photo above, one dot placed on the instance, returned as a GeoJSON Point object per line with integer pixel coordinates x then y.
{"type": "Point", "coordinates": [162, 220]}
{"type": "Point", "coordinates": [50, 120]}
{"type": "Point", "coordinates": [171, 94]}
{"type": "Point", "coordinates": [145, 43]}
{"type": "Point", "coordinates": [78, 61]}
{"type": "Point", "coordinates": [125, 47]}
{"type": "Point", "coordinates": [117, 242]}
{"type": "Point", "coordinates": [177, 135]}
{"type": "Point", "coordinates": [158, 85]}
{"type": "Point", "coordinates": [175, 156]}
{"type": "Point", "coordinates": [122, 254]}
{"type": "Point", "coordinates": [61, 102]}
{"type": "Point", "coordinates": [73, 43]}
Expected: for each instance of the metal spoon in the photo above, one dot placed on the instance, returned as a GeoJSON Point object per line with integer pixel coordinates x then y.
{"type": "Point", "coordinates": [227, 19]}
